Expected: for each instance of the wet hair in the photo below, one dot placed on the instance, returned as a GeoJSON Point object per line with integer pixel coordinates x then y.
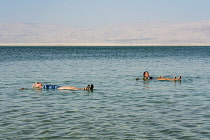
{"type": "Point", "coordinates": [35, 85]}
{"type": "Point", "coordinates": [145, 72]}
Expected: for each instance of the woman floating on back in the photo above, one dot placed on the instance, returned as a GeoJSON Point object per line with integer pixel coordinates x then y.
{"type": "Point", "coordinates": [39, 85]}
{"type": "Point", "coordinates": [146, 76]}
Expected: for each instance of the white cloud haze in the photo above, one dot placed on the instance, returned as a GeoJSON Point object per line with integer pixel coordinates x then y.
{"type": "Point", "coordinates": [153, 33]}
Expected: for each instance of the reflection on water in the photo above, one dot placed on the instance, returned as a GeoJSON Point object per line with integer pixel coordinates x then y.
{"type": "Point", "coordinates": [146, 85]}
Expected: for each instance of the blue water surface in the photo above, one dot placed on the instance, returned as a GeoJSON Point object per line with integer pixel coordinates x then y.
{"type": "Point", "coordinates": [119, 107]}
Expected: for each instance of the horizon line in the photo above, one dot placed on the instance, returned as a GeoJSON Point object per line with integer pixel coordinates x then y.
{"type": "Point", "coordinates": [95, 44]}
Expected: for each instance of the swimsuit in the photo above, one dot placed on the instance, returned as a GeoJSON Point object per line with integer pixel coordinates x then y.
{"type": "Point", "coordinates": [149, 78]}
{"type": "Point", "coordinates": [50, 87]}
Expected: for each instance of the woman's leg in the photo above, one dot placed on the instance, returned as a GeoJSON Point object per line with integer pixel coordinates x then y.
{"type": "Point", "coordinates": [179, 78]}
{"type": "Point", "coordinates": [75, 88]}
{"type": "Point", "coordinates": [69, 88]}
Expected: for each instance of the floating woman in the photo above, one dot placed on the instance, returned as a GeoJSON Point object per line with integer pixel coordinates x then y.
{"type": "Point", "coordinates": [39, 85]}
{"type": "Point", "coordinates": [146, 76]}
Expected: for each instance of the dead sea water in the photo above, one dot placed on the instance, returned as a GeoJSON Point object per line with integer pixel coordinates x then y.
{"type": "Point", "coordinates": [120, 107]}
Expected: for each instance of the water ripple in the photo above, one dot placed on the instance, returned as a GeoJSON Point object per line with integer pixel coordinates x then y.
{"type": "Point", "coordinates": [119, 108]}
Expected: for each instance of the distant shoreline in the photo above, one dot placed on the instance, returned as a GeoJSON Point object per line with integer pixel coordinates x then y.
{"type": "Point", "coordinates": [94, 44]}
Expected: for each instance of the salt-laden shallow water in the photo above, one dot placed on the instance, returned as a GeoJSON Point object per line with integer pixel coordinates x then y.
{"type": "Point", "coordinates": [119, 107]}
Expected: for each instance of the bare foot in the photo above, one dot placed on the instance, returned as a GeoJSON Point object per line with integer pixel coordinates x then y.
{"type": "Point", "coordinates": [179, 78]}
{"type": "Point", "coordinates": [89, 87]}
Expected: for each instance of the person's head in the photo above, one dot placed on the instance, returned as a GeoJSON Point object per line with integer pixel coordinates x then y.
{"type": "Point", "coordinates": [37, 85]}
{"type": "Point", "coordinates": [146, 74]}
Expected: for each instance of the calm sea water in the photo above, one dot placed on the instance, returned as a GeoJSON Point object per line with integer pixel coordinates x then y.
{"type": "Point", "coordinates": [120, 107]}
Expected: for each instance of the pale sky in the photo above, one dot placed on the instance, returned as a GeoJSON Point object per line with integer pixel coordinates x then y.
{"type": "Point", "coordinates": [102, 12]}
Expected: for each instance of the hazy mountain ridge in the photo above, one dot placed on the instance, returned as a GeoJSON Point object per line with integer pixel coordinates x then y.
{"type": "Point", "coordinates": [138, 33]}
